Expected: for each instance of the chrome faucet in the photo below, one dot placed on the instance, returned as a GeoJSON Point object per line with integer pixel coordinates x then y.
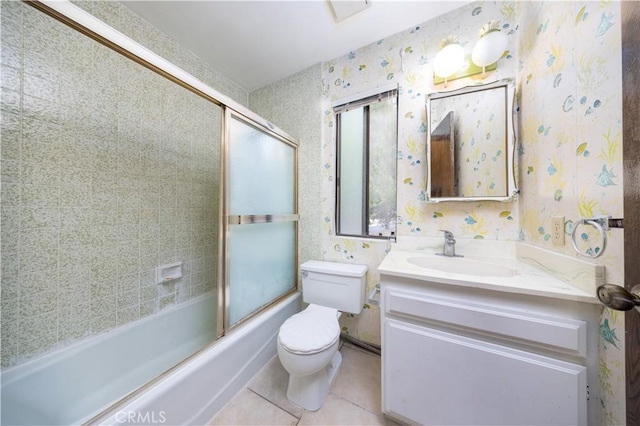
{"type": "Point", "coordinates": [449, 248]}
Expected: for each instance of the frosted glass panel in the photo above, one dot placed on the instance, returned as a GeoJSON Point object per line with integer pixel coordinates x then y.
{"type": "Point", "coordinates": [262, 265]}
{"type": "Point", "coordinates": [352, 171]}
{"type": "Point", "coordinates": [261, 171]}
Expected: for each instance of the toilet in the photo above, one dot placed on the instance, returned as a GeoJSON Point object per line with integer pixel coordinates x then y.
{"type": "Point", "coordinates": [308, 341]}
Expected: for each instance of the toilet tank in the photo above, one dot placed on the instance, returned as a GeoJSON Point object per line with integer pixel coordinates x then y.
{"type": "Point", "coordinates": [335, 285]}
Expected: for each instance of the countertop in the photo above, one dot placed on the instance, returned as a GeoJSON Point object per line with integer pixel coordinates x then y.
{"type": "Point", "coordinates": [529, 280]}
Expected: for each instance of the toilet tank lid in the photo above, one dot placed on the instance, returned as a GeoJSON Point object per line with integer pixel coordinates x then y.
{"type": "Point", "coordinates": [334, 268]}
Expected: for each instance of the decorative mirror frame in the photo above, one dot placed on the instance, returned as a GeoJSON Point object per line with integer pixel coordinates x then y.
{"type": "Point", "coordinates": [510, 142]}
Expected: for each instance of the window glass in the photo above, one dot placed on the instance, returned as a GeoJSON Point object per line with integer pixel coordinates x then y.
{"type": "Point", "coordinates": [352, 172]}
{"type": "Point", "coordinates": [366, 184]}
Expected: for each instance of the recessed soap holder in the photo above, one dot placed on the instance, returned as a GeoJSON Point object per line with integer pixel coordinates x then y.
{"type": "Point", "coordinates": [167, 273]}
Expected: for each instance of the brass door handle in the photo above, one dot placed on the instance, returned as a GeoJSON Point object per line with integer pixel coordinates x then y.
{"type": "Point", "coordinates": [618, 298]}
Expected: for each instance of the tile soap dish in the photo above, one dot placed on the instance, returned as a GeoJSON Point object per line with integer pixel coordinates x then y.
{"type": "Point", "coordinates": [170, 272]}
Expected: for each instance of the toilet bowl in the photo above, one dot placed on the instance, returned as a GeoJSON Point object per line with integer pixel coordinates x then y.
{"type": "Point", "coordinates": [308, 350]}
{"type": "Point", "coordinates": [308, 341]}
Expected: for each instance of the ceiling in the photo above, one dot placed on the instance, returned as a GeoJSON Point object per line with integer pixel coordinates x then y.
{"type": "Point", "coordinates": [259, 42]}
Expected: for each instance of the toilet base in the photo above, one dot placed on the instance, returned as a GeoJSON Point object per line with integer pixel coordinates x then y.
{"type": "Point", "coordinates": [310, 391]}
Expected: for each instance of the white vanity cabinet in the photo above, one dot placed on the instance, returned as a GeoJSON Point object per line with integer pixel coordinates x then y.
{"type": "Point", "coordinates": [454, 355]}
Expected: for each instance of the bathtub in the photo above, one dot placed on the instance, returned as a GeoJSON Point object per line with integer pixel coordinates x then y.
{"type": "Point", "coordinates": [73, 385]}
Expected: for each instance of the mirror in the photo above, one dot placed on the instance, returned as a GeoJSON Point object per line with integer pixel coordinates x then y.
{"type": "Point", "coordinates": [470, 151]}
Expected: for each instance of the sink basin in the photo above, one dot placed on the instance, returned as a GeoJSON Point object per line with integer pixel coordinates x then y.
{"type": "Point", "coordinates": [462, 266]}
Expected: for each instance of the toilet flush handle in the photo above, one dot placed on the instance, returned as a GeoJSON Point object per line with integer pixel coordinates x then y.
{"type": "Point", "coordinates": [304, 274]}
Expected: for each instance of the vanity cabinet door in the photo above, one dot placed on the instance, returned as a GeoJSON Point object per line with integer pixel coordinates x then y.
{"type": "Point", "coordinates": [434, 377]}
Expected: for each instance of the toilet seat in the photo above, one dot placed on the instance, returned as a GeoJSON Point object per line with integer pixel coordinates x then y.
{"type": "Point", "coordinates": [310, 331]}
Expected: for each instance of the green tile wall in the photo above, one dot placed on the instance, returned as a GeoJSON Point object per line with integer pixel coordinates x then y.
{"type": "Point", "coordinates": [108, 170]}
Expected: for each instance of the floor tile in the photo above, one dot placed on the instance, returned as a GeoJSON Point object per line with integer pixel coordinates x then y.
{"type": "Point", "coordinates": [337, 411]}
{"type": "Point", "coordinates": [247, 408]}
{"type": "Point", "coordinates": [354, 397]}
{"type": "Point", "coordinates": [271, 383]}
{"type": "Point", "coordinates": [358, 379]}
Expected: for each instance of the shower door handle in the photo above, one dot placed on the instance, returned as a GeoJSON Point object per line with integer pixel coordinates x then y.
{"type": "Point", "coordinates": [249, 219]}
{"type": "Point", "coordinates": [618, 298]}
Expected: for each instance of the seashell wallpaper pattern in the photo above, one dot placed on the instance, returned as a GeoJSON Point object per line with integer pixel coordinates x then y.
{"type": "Point", "coordinates": [570, 154]}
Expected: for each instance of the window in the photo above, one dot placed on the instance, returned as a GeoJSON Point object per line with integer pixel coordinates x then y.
{"type": "Point", "coordinates": [367, 139]}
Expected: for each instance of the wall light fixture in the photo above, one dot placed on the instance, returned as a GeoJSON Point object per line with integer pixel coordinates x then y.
{"type": "Point", "coordinates": [450, 58]}
{"type": "Point", "coordinates": [451, 63]}
{"type": "Point", "coordinates": [491, 46]}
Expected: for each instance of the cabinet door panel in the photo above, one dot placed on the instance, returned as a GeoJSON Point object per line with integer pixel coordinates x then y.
{"type": "Point", "coordinates": [561, 334]}
{"type": "Point", "coordinates": [433, 377]}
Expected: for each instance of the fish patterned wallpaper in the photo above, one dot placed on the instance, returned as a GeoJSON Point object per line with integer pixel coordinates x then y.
{"type": "Point", "coordinates": [570, 77]}
{"type": "Point", "coordinates": [566, 59]}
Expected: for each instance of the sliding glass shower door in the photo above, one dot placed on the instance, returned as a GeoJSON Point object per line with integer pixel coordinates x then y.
{"type": "Point", "coordinates": [261, 227]}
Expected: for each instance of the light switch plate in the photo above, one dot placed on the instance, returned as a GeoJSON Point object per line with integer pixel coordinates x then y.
{"type": "Point", "coordinates": [557, 230]}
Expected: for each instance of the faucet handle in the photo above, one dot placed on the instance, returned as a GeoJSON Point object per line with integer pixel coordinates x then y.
{"type": "Point", "coordinates": [447, 234]}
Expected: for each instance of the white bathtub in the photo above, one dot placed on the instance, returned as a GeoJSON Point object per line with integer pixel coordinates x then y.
{"type": "Point", "coordinates": [74, 384]}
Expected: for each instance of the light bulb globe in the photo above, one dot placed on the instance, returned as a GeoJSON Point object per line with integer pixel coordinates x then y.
{"type": "Point", "coordinates": [449, 60]}
{"type": "Point", "coordinates": [489, 48]}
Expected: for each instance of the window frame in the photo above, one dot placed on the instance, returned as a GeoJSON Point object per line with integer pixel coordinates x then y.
{"type": "Point", "coordinates": [364, 101]}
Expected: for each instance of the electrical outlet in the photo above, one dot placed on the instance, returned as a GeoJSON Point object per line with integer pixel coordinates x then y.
{"type": "Point", "coordinates": [557, 230]}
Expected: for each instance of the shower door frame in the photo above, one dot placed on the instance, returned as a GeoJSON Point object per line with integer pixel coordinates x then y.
{"type": "Point", "coordinates": [224, 290]}
{"type": "Point", "coordinates": [85, 23]}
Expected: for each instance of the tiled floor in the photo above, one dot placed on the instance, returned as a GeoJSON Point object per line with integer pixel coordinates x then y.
{"type": "Point", "coordinates": [354, 397]}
